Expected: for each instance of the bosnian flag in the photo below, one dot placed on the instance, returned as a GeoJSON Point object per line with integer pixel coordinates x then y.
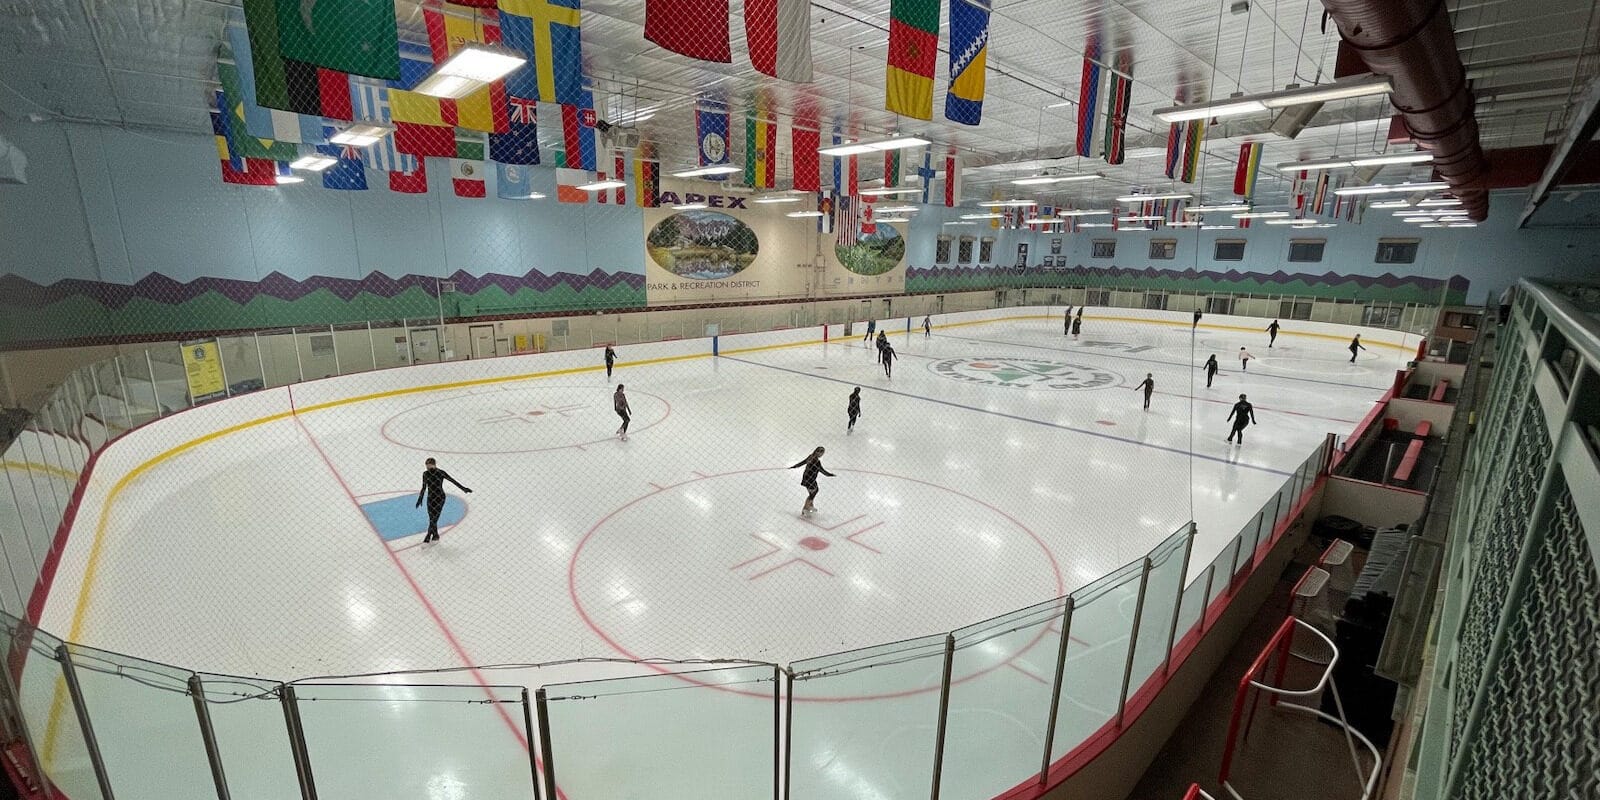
{"type": "Point", "coordinates": [778, 33]}
{"type": "Point", "coordinates": [969, 57]}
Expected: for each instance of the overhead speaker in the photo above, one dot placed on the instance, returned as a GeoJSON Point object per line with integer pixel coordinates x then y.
{"type": "Point", "coordinates": [1292, 120]}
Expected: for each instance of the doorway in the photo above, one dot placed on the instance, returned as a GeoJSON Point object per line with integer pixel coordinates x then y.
{"type": "Point", "coordinates": [425, 345]}
{"type": "Point", "coordinates": [482, 341]}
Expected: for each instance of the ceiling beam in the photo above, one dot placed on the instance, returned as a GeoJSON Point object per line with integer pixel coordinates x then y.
{"type": "Point", "coordinates": [1581, 128]}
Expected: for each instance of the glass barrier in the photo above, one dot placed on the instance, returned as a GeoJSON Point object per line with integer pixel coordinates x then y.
{"type": "Point", "coordinates": [354, 349]}
{"type": "Point", "coordinates": [251, 735]}
{"type": "Point", "coordinates": [1158, 613]}
{"type": "Point", "coordinates": [681, 736]}
{"type": "Point", "coordinates": [170, 378]}
{"type": "Point", "coordinates": [280, 361]}
{"type": "Point", "coordinates": [1191, 611]}
{"type": "Point", "coordinates": [48, 711]}
{"type": "Point", "coordinates": [1222, 569]}
{"type": "Point", "coordinates": [1097, 657]}
{"type": "Point", "coordinates": [241, 361]}
{"type": "Point", "coordinates": [1251, 536]}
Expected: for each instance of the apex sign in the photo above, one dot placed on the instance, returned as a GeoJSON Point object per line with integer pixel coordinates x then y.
{"type": "Point", "coordinates": [711, 200]}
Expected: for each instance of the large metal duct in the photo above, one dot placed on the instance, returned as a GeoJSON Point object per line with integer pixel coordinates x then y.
{"type": "Point", "coordinates": [1411, 42]}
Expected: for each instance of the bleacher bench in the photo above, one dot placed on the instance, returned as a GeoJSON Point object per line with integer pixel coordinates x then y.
{"type": "Point", "coordinates": [1408, 462]}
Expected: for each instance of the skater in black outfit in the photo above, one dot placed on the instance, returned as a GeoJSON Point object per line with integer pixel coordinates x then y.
{"type": "Point", "coordinates": [927, 327]}
{"type": "Point", "coordinates": [872, 326]}
{"type": "Point", "coordinates": [1211, 369]}
{"type": "Point", "coordinates": [433, 480]}
{"type": "Point", "coordinates": [1196, 325]}
{"type": "Point", "coordinates": [1149, 387]}
{"type": "Point", "coordinates": [619, 403]}
{"type": "Point", "coordinates": [1354, 345]}
{"type": "Point", "coordinates": [1272, 334]}
{"type": "Point", "coordinates": [813, 465]}
{"type": "Point", "coordinates": [853, 408]}
{"type": "Point", "coordinates": [611, 358]}
{"type": "Point", "coordinates": [1243, 414]}
{"type": "Point", "coordinates": [1066, 322]}
{"type": "Point", "coordinates": [1077, 324]}
{"type": "Point", "coordinates": [883, 341]}
{"type": "Point", "coordinates": [888, 357]}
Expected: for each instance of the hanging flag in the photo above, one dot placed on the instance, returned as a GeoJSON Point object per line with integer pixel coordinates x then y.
{"type": "Point", "coordinates": [868, 227]}
{"type": "Point", "coordinates": [847, 220]}
{"type": "Point", "coordinates": [844, 169]}
{"type": "Point", "coordinates": [825, 207]}
{"type": "Point", "coordinates": [969, 60]}
{"type": "Point", "coordinates": [578, 132]}
{"type": "Point", "coordinates": [245, 171]}
{"type": "Point", "coordinates": [760, 148]}
{"type": "Point", "coordinates": [891, 169]}
{"type": "Point", "coordinates": [913, 57]}
{"type": "Point", "coordinates": [1194, 138]}
{"type": "Point", "coordinates": [568, 180]}
{"type": "Point", "coordinates": [420, 127]}
{"type": "Point", "coordinates": [467, 169]}
{"type": "Point", "coordinates": [1174, 149]}
{"type": "Point", "coordinates": [1297, 190]}
{"type": "Point", "coordinates": [241, 143]}
{"type": "Point", "coordinates": [952, 180]}
{"type": "Point", "coordinates": [619, 171]}
{"type": "Point", "coordinates": [547, 34]}
{"type": "Point", "coordinates": [778, 34]}
{"type": "Point", "coordinates": [349, 173]}
{"type": "Point", "coordinates": [520, 143]}
{"type": "Point", "coordinates": [926, 173]}
{"type": "Point", "coordinates": [803, 144]}
{"type": "Point", "coordinates": [694, 28]}
{"type": "Point", "coordinates": [1244, 175]}
{"type": "Point", "coordinates": [1320, 195]}
{"type": "Point", "coordinates": [236, 71]}
{"type": "Point", "coordinates": [1119, 95]}
{"type": "Point", "coordinates": [647, 183]}
{"type": "Point", "coordinates": [513, 181]}
{"type": "Point", "coordinates": [1088, 99]}
{"type": "Point", "coordinates": [450, 28]}
{"type": "Point", "coordinates": [371, 104]}
{"type": "Point", "coordinates": [711, 131]}
{"type": "Point", "coordinates": [284, 83]}
{"type": "Point", "coordinates": [360, 38]}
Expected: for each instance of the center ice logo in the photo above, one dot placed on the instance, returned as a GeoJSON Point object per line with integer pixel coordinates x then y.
{"type": "Point", "coordinates": [1027, 373]}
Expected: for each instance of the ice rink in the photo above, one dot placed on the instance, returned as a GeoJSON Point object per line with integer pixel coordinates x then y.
{"type": "Point", "coordinates": [1001, 466]}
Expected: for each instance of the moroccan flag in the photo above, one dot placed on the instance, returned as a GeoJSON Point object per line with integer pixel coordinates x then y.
{"type": "Point", "coordinates": [694, 28]}
{"type": "Point", "coordinates": [568, 181]}
{"type": "Point", "coordinates": [913, 57]}
{"type": "Point", "coordinates": [1118, 97]}
{"type": "Point", "coordinates": [647, 183]}
{"type": "Point", "coordinates": [268, 123]}
{"type": "Point", "coordinates": [1244, 176]}
{"type": "Point", "coordinates": [359, 38]}
{"type": "Point", "coordinates": [1174, 149]}
{"type": "Point", "coordinates": [284, 83]}
{"type": "Point", "coordinates": [546, 32]}
{"type": "Point", "coordinates": [520, 143]}
{"type": "Point", "coordinates": [467, 169]}
{"type": "Point", "coordinates": [577, 133]}
{"type": "Point", "coordinates": [1088, 100]}
{"type": "Point", "coordinates": [803, 143]}
{"type": "Point", "coordinates": [246, 171]}
{"type": "Point", "coordinates": [1194, 135]}
{"type": "Point", "coordinates": [760, 145]}
{"type": "Point", "coordinates": [969, 60]}
{"type": "Point", "coordinates": [952, 180]}
{"type": "Point", "coordinates": [778, 33]}
{"type": "Point", "coordinates": [891, 169]}
{"type": "Point", "coordinates": [711, 131]}
{"type": "Point", "coordinates": [450, 28]}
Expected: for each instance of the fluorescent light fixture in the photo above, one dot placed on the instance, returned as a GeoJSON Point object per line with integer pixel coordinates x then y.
{"type": "Point", "coordinates": [1434, 225]}
{"type": "Point", "coordinates": [1395, 188]}
{"type": "Point", "coordinates": [908, 190]}
{"type": "Point", "coordinates": [1462, 225]}
{"type": "Point", "coordinates": [313, 163]}
{"type": "Point", "coordinates": [1139, 198]}
{"type": "Point", "coordinates": [1085, 212]}
{"type": "Point", "coordinates": [894, 219]}
{"type": "Point", "coordinates": [1219, 227]}
{"type": "Point", "coordinates": [1008, 204]}
{"type": "Point", "coordinates": [1392, 158]}
{"type": "Point", "coordinates": [600, 186]}
{"type": "Point", "coordinates": [960, 223]}
{"type": "Point", "coordinates": [1312, 166]}
{"type": "Point", "coordinates": [766, 200]}
{"type": "Point", "coordinates": [1392, 204]}
{"type": "Point", "coordinates": [1262, 215]}
{"type": "Point", "coordinates": [1227, 207]}
{"type": "Point", "coordinates": [1280, 221]}
{"type": "Point", "coordinates": [982, 216]}
{"type": "Point", "coordinates": [1324, 225]}
{"type": "Point", "coordinates": [1184, 223]}
{"type": "Point", "coordinates": [289, 179]}
{"type": "Point", "coordinates": [1062, 104]}
{"type": "Point", "coordinates": [1145, 218]}
{"type": "Point", "coordinates": [1226, 107]}
{"type": "Point", "coordinates": [845, 150]}
{"type": "Point", "coordinates": [898, 143]}
{"type": "Point", "coordinates": [1042, 180]}
{"type": "Point", "coordinates": [1438, 202]}
{"type": "Point", "coordinates": [1094, 224]}
{"type": "Point", "coordinates": [534, 196]}
{"type": "Point", "coordinates": [857, 148]}
{"type": "Point", "coordinates": [690, 207]}
{"type": "Point", "coordinates": [714, 169]}
{"type": "Point", "coordinates": [482, 63]}
{"type": "Point", "coordinates": [450, 87]}
{"type": "Point", "coordinates": [1459, 218]}
{"type": "Point", "coordinates": [360, 134]}
{"type": "Point", "coordinates": [799, 214]}
{"type": "Point", "coordinates": [897, 209]}
{"type": "Point", "coordinates": [1299, 95]}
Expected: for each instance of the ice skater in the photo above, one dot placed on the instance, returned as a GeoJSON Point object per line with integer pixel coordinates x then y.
{"type": "Point", "coordinates": [1066, 323]}
{"type": "Point", "coordinates": [853, 408]}
{"type": "Point", "coordinates": [883, 341]}
{"type": "Point", "coordinates": [1077, 325]}
{"type": "Point", "coordinates": [1211, 369]}
{"type": "Point", "coordinates": [888, 355]}
{"type": "Point", "coordinates": [619, 403]}
{"type": "Point", "coordinates": [611, 358]}
{"type": "Point", "coordinates": [1196, 325]}
{"type": "Point", "coordinates": [808, 479]}
{"type": "Point", "coordinates": [1355, 344]}
{"type": "Point", "coordinates": [1149, 387]}
{"type": "Point", "coordinates": [927, 327]}
{"type": "Point", "coordinates": [1272, 334]}
{"type": "Point", "coordinates": [1244, 359]}
{"type": "Point", "coordinates": [872, 326]}
{"type": "Point", "coordinates": [433, 480]}
{"type": "Point", "coordinates": [1243, 414]}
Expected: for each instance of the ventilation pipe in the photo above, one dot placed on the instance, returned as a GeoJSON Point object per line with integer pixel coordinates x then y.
{"type": "Point", "coordinates": [1412, 43]}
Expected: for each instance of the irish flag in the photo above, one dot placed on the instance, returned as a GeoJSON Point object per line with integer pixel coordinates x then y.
{"type": "Point", "coordinates": [913, 55]}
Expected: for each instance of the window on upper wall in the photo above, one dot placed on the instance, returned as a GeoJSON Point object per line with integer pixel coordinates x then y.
{"type": "Point", "coordinates": [1397, 251]}
{"type": "Point", "coordinates": [1104, 248]}
{"type": "Point", "coordinates": [986, 250]}
{"type": "Point", "coordinates": [941, 250]}
{"type": "Point", "coordinates": [1229, 250]}
{"type": "Point", "coordinates": [1163, 249]}
{"type": "Point", "coordinates": [1306, 251]}
{"type": "Point", "coordinates": [964, 251]}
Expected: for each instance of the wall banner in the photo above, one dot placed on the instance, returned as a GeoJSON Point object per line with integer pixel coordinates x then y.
{"type": "Point", "coordinates": [202, 365]}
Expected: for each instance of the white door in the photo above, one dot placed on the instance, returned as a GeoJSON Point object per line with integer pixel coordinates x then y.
{"type": "Point", "coordinates": [424, 345]}
{"type": "Point", "coordinates": [482, 341]}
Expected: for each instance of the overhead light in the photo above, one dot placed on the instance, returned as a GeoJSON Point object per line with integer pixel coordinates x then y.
{"type": "Point", "coordinates": [897, 209]}
{"type": "Point", "coordinates": [765, 200]}
{"type": "Point", "coordinates": [1462, 225]}
{"type": "Point", "coordinates": [1185, 223]}
{"type": "Point", "coordinates": [1392, 204]}
{"type": "Point", "coordinates": [1436, 202]}
{"type": "Point", "coordinates": [894, 219]}
{"type": "Point", "coordinates": [798, 214]}
{"type": "Point", "coordinates": [1145, 218]}
{"type": "Point", "coordinates": [1458, 218]}
{"type": "Point", "coordinates": [1062, 104]}
{"type": "Point", "coordinates": [1084, 212]}
{"type": "Point", "coordinates": [690, 207]}
{"type": "Point", "coordinates": [600, 186]}
{"type": "Point", "coordinates": [905, 190]}
{"type": "Point", "coordinates": [1041, 180]}
{"type": "Point", "coordinates": [960, 223]}
{"type": "Point", "coordinates": [534, 196]}
{"type": "Point", "coordinates": [1391, 188]}
{"type": "Point", "coordinates": [1281, 221]}
{"type": "Point", "coordinates": [470, 69]}
{"type": "Point", "coordinates": [1219, 227]}
{"type": "Point", "coordinates": [714, 169]}
{"type": "Point", "coordinates": [360, 134]}
{"type": "Point", "coordinates": [1008, 204]}
{"type": "Point", "coordinates": [1043, 220]}
{"type": "Point", "coordinates": [450, 87]}
{"type": "Point", "coordinates": [1311, 166]}
{"type": "Point", "coordinates": [1300, 95]}
{"type": "Point", "coordinates": [313, 163]}
{"type": "Point", "coordinates": [1094, 224]}
{"type": "Point", "coordinates": [1393, 158]}
{"type": "Point", "coordinates": [982, 216]}
{"type": "Point", "coordinates": [898, 143]}
{"type": "Point", "coordinates": [1139, 198]}
{"type": "Point", "coordinates": [857, 148]}
{"type": "Point", "coordinates": [1324, 225]}
{"type": "Point", "coordinates": [1433, 225]}
{"type": "Point", "coordinates": [285, 179]}
{"type": "Point", "coordinates": [845, 150]}
{"type": "Point", "coordinates": [1262, 215]}
{"type": "Point", "coordinates": [1227, 207]}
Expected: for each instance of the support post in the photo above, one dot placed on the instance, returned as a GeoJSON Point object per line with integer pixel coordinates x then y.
{"type": "Point", "coordinates": [1055, 691]}
{"type": "Point", "coordinates": [944, 713]}
{"type": "Point", "coordinates": [90, 743]}
{"type": "Point", "coordinates": [527, 724]}
{"type": "Point", "coordinates": [1133, 642]}
{"type": "Point", "coordinates": [208, 736]}
{"type": "Point", "coordinates": [788, 731]}
{"type": "Point", "coordinates": [261, 363]}
{"type": "Point", "coordinates": [1205, 602]}
{"type": "Point", "coordinates": [546, 750]}
{"type": "Point", "coordinates": [294, 339]}
{"type": "Point", "coordinates": [222, 368]}
{"type": "Point", "coordinates": [777, 732]}
{"type": "Point", "coordinates": [155, 393]}
{"type": "Point", "coordinates": [372, 348]}
{"type": "Point", "coordinates": [122, 385]}
{"type": "Point", "coordinates": [333, 340]}
{"type": "Point", "coordinates": [714, 349]}
{"type": "Point", "coordinates": [1177, 605]}
{"type": "Point", "coordinates": [297, 737]}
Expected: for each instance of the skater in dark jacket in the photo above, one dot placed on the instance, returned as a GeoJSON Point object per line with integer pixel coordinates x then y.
{"type": "Point", "coordinates": [1077, 324]}
{"type": "Point", "coordinates": [611, 358]}
{"type": "Point", "coordinates": [433, 480]}
{"type": "Point", "coordinates": [883, 341]}
{"type": "Point", "coordinates": [1243, 414]}
{"type": "Point", "coordinates": [853, 408]}
{"type": "Point", "coordinates": [1066, 322]}
{"type": "Point", "coordinates": [1211, 369]}
{"type": "Point", "coordinates": [808, 479]}
{"type": "Point", "coordinates": [888, 360]}
{"type": "Point", "coordinates": [1272, 334]}
{"type": "Point", "coordinates": [872, 327]}
{"type": "Point", "coordinates": [927, 327]}
{"type": "Point", "coordinates": [619, 404]}
{"type": "Point", "coordinates": [1355, 344]}
{"type": "Point", "coordinates": [1196, 325]}
{"type": "Point", "coordinates": [1149, 387]}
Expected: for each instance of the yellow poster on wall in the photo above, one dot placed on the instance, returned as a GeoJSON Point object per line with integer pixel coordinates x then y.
{"type": "Point", "coordinates": [202, 365]}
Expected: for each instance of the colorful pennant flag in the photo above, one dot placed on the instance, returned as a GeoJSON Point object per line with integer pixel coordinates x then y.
{"type": "Point", "coordinates": [913, 57]}
{"type": "Point", "coordinates": [1088, 100]}
{"type": "Point", "coordinates": [467, 169]}
{"type": "Point", "coordinates": [359, 38]}
{"type": "Point", "coordinates": [284, 83]}
{"type": "Point", "coordinates": [236, 71]}
{"type": "Point", "coordinates": [419, 121]}
{"type": "Point", "coordinates": [803, 144]}
{"type": "Point", "coordinates": [1249, 166]}
{"type": "Point", "coordinates": [761, 147]}
{"type": "Point", "coordinates": [825, 207]}
{"type": "Point", "coordinates": [952, 180]}
{"type": "Point", "coordinates": [520, 143]}
{"type": "Point", "coordinates": [244, 171]}
{"type": "Point", "coordinates": [1194, 137]}
{"type": "Point", "coordinates": [241, 143]}
{"type": "Point", "coordinates": [1174, 149]}
{"type": "Point", "coordinates": [844, 170]}
{"type": "Point", "coordinates": [578, 132]}
{"type": "Point", "coordinates": [547, 34]}
{"type": "Point", "coordinates": [1119, 95]}
{"type": "Point", "coordinates": [647, 182]}
{"type": "Point", "coordinates": [1320, 194]}
{"type": "Point", "coordinates": [450, 28]}
{"type": "Point", "coordinates": [694, 28]}
{"type": "Point", "coordinates": [778, 33]}
{"type": "Point", "coordinates": [969, 60]}
{"type": "Point", "coordinates": [568, 180]}
{"type": "Point", "coordinates": [711, 131]}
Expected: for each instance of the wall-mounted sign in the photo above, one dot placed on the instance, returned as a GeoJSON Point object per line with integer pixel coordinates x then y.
{"type": "Point", "coordinates": [712, 200]}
